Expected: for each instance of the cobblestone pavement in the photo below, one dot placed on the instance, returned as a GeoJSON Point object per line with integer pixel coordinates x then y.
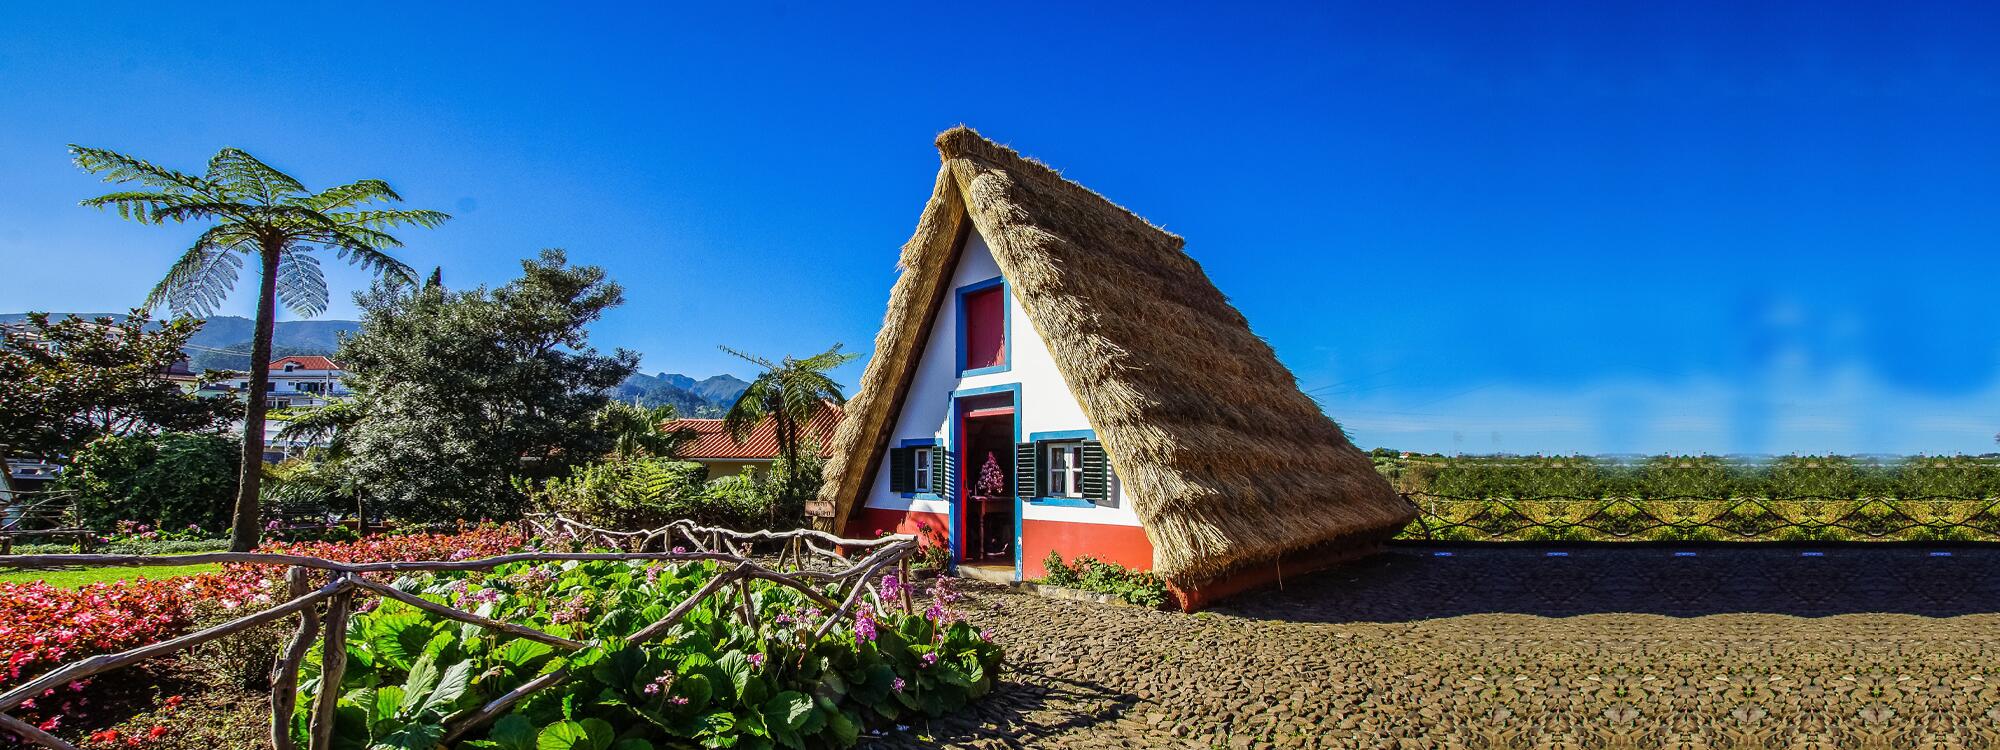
{"type": "Point", "coordinates": [1644, 647]}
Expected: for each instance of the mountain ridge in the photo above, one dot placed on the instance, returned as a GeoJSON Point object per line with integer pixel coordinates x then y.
{"type": "Point", "coordinates": [223, 343]}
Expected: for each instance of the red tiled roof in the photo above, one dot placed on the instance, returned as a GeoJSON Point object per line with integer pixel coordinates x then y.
{"type": "Point", "coordinates": [306, 363]}
{"type": "Point", "coordinates": [713, 442]}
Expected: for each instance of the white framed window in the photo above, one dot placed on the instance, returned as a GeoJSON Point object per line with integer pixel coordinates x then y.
{"type": "Point", "coordinates": [922, 458]}
{"type": "Point", "coordinates": [1065, 469]}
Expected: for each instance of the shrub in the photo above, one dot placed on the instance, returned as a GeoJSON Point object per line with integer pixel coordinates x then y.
{"type": "Point", "coordinates": [1091, 574]}
{"type": "Point", "coordinates": [622, 493]}
{"type": "Point", "coordinates": [168, 481]}
{"type": "Point", "coordinates": [709, 681]}
{"type": "Point", "coordinates": [1784, 478]}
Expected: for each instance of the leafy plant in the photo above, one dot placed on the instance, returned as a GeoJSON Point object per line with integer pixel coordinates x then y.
{"type": "Point", "coordinates": [790, 393]}
{"type": "Point", "coordinates": [1091, 574]}
{"type": "Point", "coordinates": [709, 681]}
{"type": "Point", "coordinates": [167, 481]}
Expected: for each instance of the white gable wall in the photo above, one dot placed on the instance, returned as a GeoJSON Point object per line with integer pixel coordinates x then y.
{"type": "Point", "coordinates": [1046, 404]}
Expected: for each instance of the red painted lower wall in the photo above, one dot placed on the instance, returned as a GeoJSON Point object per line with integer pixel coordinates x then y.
{"type": "Point", "coordinates": [1125, 545]}
{"type": "Point", "coordinates": [867, 523]}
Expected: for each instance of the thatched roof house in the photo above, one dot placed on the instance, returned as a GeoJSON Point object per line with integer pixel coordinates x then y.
{"type": "Point", "coordinates": [1149, 424]}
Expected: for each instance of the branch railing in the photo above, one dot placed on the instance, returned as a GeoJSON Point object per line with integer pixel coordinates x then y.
{"type": "Point", "coordinates": [733, 550]}
{"type": "Point", "coordinates": [41, 513]}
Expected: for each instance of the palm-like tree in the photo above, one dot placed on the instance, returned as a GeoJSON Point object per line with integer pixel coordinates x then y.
{"type": "Point", "coordinates": [638, 431]}
{"type": "Point", "coordinates": [790, 393]}
{"type": "Point", "coordinates": [258, 212]}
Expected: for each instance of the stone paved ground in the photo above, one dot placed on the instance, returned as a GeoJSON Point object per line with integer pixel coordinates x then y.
{"type": "Point", "coordinates": [1487, 648]}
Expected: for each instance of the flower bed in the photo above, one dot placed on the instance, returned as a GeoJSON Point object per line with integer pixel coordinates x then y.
{"type": "Point", "coordinates": [1088, 573]}
{"type": "Point", "coordinates": [43, 626]}
{"type": "Point", "coordinates": [710, 680]}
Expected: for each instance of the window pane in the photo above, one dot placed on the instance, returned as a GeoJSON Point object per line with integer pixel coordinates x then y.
{"type": "Point", "coordinates": [985, 328]}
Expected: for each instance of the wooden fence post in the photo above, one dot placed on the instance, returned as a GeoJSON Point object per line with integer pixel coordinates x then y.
{"type": "Point", "coordinates": [285, 671]}
{"type": "Point", "coordinates": [903, 579]}
{"type": "Point", "coordinates": [332, 666]}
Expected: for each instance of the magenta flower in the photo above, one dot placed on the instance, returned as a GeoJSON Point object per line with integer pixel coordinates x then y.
{"type": "Point", "coordinates": [756, 660]}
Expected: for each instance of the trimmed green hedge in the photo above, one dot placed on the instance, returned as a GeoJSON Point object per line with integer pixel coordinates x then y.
{"type": "Point", "coordinates": [1699, 498]}
{"type": "Point", "coordinates": [1745, 519]}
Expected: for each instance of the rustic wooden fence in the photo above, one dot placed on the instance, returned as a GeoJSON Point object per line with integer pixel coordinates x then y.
{"type": "Point", "coordinates": [41, 513]}
{"type": "Point", "coordinates": [850, 578]}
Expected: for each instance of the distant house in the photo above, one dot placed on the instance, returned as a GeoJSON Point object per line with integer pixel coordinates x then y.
{"type": "Point", "coordinates": [1127, 408]}
{"type": "Point", "coordinates": [716, 449]}
{"type": "Point", "coordinates": [300, 381]}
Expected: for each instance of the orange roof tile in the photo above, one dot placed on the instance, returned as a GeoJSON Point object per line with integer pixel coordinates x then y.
{"type": "Point", "coordinates": [713, 442]}
{"type": "Point", "coordinates": [306, 363]}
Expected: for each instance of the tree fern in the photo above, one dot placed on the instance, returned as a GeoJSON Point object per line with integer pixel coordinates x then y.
{"type": "Point", "coordinates": [255, 211]}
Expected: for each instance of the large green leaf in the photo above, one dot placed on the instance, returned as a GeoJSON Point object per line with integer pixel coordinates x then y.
{"type": "Point", "coordinates": [846, 728]}
{"type": "Point", "coordinates": [522, 654]}
{"type": "Point", "coordinates": [423, 678]}
{"type": "Point", "coordinates": [388, 703]}
{"type": "Point", "coordinates": [452, 685]}
{"type": "Point", "coordinates": [562, 735]}
{"type": "Point", "coordinates": [789, 707]}
{"type": "Point", "coordinates": [514, 732]}
{"type": "Point", "coordinates": [736, 666]}
{"type": "Point", "coordinates": [416, 736]}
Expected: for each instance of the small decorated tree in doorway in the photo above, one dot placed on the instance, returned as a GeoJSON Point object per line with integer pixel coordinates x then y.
{"type": "Point", "coordinates": [992, 481]}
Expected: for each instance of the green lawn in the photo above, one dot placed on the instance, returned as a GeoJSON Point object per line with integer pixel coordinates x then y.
{"type": "Point", "coordinates": [75, 577]}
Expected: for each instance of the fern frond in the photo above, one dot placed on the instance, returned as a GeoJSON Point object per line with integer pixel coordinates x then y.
{"type": "Point", "coordinates": [301, 283]}
{"type": "Point", "coordinates": [117, 167]}
{"type": "Point", "coordinates": [244, 173]}
{"type": "Point", "coordinates": [349, 195]}
{"type": "Point", "coordinates": [387, 218]}
{"type": "Point", "coordinates": [203, 276]}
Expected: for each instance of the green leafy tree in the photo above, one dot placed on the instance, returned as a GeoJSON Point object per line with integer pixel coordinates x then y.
{"type": "Point", "coordinates": [66, 382]}
{"type": "Point", "coordinates": [790, 392]}
{"type": "Point", "coordinates": [170, 480]}
{"type": "Point", "coordinates": [255, 211]}
{"type": "Point", "coordinates": [461, 392]}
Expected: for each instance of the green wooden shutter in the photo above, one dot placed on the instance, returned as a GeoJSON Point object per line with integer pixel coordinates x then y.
{"type": "Point", "coordinates": [1096, 473]}
{"type": "Point", "coordinates": [1026, 476]}
{"type": "Point", "coordinates": [940, 468]}
{"type": "Point", "coordinates": [949, 459]}
{"type": "Point", "coordinates": [902, 470]}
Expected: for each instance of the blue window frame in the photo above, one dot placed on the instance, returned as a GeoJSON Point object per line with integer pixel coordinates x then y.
{"type": "Point", "coordinates": [1044, 442]}
{"type": "Point", "coordinates": [1007, 321]}
{"type": "Point", "coordinates": [923, 492]}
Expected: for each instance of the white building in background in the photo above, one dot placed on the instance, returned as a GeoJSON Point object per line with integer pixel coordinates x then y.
{"type": "Point", "coordinates": [300, 381]}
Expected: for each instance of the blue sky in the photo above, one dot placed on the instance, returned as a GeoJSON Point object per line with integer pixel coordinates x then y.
{"type": "Point", "coordinates": [1726, 227]}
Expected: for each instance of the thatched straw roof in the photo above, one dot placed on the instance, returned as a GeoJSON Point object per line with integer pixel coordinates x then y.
{"type": "Point", "coordinates": [1226, 462]}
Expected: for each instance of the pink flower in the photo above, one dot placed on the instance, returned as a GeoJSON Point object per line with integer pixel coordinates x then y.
{"type": "Point", "coordinates": [756, 660]}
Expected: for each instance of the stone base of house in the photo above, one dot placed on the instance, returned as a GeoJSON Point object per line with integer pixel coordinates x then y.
{"type": "Point", "coordinates": [1291, 565]}
{"type": "Point", "coordinates": [1058, 592]}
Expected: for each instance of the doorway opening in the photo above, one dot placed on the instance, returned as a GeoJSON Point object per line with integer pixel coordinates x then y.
{"type": "Point", "coordinates": [986, 482]}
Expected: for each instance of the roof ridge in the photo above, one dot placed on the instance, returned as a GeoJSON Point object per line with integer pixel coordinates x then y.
{"type": "Point", "coordinates": [962, 141]}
